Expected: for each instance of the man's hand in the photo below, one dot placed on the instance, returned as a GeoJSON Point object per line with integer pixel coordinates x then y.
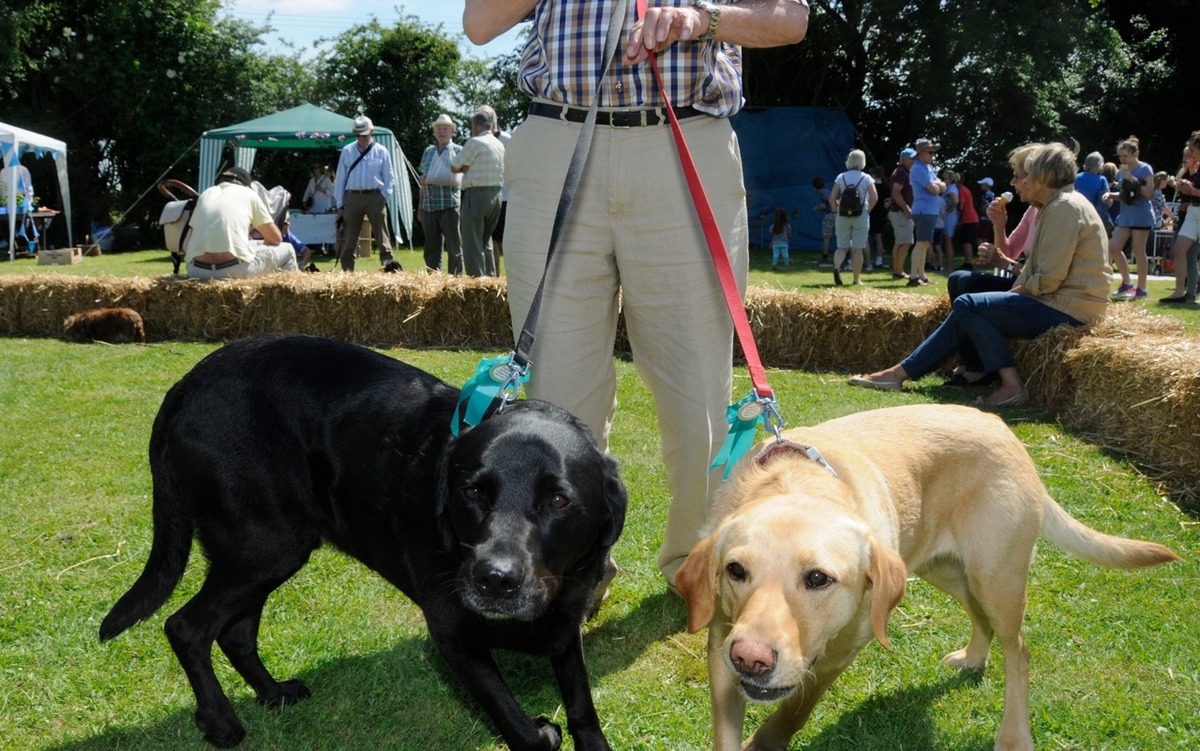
{"type": "Point", "coordinates": [663, 26]}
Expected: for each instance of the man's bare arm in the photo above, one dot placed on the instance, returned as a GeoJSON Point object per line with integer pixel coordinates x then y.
{"type": "Point", "coordinates": [484, 20]}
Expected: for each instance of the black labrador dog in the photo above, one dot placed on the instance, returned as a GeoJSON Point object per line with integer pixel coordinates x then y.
{"type": "Point", "coordinates": [274, 443]}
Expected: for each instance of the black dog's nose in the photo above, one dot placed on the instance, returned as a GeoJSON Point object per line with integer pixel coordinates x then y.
{"type": "Point", "coordinates": [496, 578]}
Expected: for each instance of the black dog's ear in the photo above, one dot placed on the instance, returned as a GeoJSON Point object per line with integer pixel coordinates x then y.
{"type": "Point", "coordinates": [442, 508]}
{"type": "Point", "coordinates": [616, 500]}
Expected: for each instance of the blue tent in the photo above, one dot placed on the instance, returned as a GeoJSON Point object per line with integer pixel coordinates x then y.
{"type": "Point", "coordinates": [783, 149]}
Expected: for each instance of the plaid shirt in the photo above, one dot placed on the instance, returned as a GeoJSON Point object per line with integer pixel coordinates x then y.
{"type": "Point", "coordinates": [484, 154]}
{"type": "Point", "coordinates": [564, 53]}
{"type": "Point", "coordinates": [438, 197]}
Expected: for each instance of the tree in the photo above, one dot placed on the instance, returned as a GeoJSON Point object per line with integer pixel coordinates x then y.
{"type": "Point", "coordinates": [397, 76]}
{"type": "Point", "coordinates": [492, 82]}
{"type": "Point", "coordinates": [982, 76]}
{"type": "Point", "coordinates": [130, 85]}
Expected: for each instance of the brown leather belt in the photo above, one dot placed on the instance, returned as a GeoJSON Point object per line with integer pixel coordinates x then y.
{"type": "Point", "coordinates": [614, 118]}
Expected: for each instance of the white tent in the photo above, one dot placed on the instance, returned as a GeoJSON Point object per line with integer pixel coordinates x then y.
{"type": "Point", "coordinates": [13, 143]}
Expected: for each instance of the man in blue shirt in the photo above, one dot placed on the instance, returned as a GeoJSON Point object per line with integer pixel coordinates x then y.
{"type": "Point", "coordinates": [364, 180]}
{"type": "Point", "coordinates": [927, 203]}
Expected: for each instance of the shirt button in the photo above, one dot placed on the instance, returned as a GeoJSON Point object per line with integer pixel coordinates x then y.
{"type": "Point", "coordinates": [620, 87]}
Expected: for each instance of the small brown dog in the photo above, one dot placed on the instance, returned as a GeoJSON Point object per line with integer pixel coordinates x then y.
{"type": "Point", "coordinates": [112, 325]}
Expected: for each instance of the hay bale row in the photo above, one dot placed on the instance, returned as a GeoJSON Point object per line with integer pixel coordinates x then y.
{"type": "Point", "coordinates": [1132, 381]}
{"type": "Point", "coordinates": [376, 309]}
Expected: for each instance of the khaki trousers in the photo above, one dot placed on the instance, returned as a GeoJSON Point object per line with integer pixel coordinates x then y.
{"type": "Point", "coordinates": [373, 206]}
{"type": "Point", "coordinates": [634, 241]}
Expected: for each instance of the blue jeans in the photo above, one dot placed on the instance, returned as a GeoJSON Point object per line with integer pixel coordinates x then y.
{"type": "Point", "coordinates": [976, 329]}
{"type": "Point", "coordinates": [966, 282]}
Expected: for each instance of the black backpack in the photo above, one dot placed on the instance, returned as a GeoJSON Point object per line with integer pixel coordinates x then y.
{"type": "Point", "coordinates": [1130, 191]}
{"type": "Point", "coordinates": [850, 203]}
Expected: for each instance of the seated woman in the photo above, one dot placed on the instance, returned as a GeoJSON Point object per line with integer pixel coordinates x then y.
{"type": "Point", "coordinates": [1005, 255]}
{"type": "Point", "coordinates": [1064, 281]}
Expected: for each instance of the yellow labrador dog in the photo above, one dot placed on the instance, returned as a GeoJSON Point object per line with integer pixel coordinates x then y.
{"type": "Point", "coordinates": [808, 554]}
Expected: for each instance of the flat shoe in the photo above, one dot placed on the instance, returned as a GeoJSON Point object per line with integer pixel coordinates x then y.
{"type": "Point", "coordinates": [1013, 401]}
{"type": "Point", "coordinates": [867, 383]}
{"type": "Point", "coordinates": [1174, 299]}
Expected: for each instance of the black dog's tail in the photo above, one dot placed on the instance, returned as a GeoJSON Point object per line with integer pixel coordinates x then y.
{"type": "Point", "coordinates": [168, 557]}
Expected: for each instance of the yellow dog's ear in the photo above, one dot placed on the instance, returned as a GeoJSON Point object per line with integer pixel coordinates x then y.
{"type": "Point", "coordinates": [696, 581]}
{"type": "Point", "coordinates": [887, 578]}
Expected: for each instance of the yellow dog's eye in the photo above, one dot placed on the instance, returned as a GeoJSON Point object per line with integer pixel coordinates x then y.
{"type": "Point", "coordinates": [817, 579]}
{"type": "Point", "coordinates": [736, 572]}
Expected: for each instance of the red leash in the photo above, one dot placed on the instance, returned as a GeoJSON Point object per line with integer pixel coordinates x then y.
{"type": "Point", "coordinates": [716, 243]}
{"type": "Point", "coordinates": [743, 416]}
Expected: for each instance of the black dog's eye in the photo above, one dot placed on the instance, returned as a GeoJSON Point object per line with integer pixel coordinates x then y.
{"type": "Point", "coordinates": [558, 501]}
{"type": "Point", "coordinates": [472, 493]}
{"type": "Point", "coordinates": [817, 579]}
{"type": "Point", "coordinates": [736, 571]}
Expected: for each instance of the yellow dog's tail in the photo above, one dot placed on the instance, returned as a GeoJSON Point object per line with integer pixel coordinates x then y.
{"type": "Point", "coordinates": [1082, 541]}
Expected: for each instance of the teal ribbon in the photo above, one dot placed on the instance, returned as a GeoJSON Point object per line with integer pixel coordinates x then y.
{"type": "Point", "coordinates": [743, 421]}
{"type": "Point", "coordinates": [496, 380]}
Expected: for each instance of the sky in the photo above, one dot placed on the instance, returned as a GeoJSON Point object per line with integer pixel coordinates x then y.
{"type": "Point", "coordinates": [304, 21]}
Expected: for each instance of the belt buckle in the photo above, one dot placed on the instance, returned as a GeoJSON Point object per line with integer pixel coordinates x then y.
{"type": "Point", "coordinates": [612, 117]}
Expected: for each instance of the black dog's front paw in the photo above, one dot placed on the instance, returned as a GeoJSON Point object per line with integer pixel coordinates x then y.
{"type": "Point", "coordinates": [285, 694]}
{"type": "Point", "coordinates": [222, 731]}
{"type": "Point", "coordinates": [550, 732]}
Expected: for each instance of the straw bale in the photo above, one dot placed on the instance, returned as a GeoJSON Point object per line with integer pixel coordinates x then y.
{"type": "Point", "coordinates": [411, 310]}
{"type": "Point", "coordinates": [37, 304]}
{"type": "Point", "coordinates": [1043, 362]}
{"type": "Point", "coordinates": [840, 330]}
{"type": "Point", "coordinates": [1141, 395]}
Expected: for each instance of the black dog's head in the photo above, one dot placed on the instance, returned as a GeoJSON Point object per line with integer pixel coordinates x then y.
{"type": "Point", "coordinates": [528, 504]}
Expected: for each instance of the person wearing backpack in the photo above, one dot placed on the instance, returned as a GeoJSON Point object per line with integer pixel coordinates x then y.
{"type": "Point", "coordinates": [851, 199]}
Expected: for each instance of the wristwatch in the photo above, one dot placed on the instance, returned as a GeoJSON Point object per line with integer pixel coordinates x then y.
{"type": "Point", "coordinates": [714, 19]}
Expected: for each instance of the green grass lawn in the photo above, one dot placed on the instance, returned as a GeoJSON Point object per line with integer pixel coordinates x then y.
{"type": "Point", "coordinates": [804, 275]}
{"type": "Point", "coordinates": [1115, 658]}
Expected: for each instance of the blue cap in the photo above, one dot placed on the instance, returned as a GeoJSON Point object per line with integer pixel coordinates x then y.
{"type": "Point", "coordinates": [908, 154]}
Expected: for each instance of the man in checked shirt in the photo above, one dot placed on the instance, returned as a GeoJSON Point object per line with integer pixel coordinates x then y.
{"type": "Point", "coordinates": [481, 163]}
{"type": "Point", "coordinates": [634, 236]}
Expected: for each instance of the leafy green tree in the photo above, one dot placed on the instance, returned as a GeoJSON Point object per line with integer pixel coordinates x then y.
{"type": "Point", "coordinates": [493, 82]}
{"type": "Point", "coordinates": [984, 76]}
{"type": "Point", "coordinates": [395, 75]}
{"type": "Point", "coordinates": [130, 85]}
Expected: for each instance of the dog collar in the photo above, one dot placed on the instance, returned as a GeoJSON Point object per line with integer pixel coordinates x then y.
{"type": "Point", "coordinates": [783, 445]}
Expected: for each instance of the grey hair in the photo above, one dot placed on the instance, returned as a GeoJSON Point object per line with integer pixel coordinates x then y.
{"type": "Point", "coordinates": [856, 159]}
{"type": "Point", "coordinates": [484, 117]}
{"type": "Point", "coordinates": [1093, 162]}
{"type": "Point", "coordinates": [1052, 165]}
